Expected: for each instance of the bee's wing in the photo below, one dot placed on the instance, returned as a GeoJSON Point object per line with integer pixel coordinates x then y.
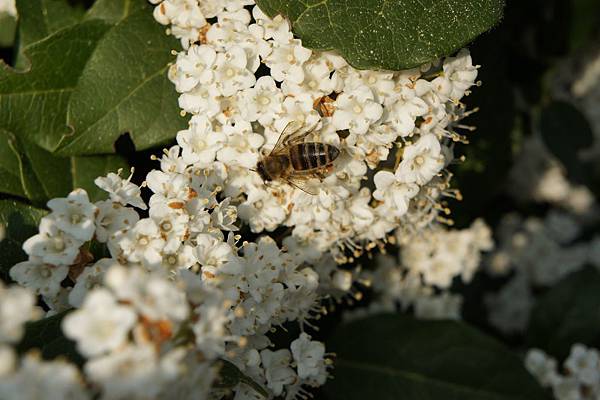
{"type": "Point", "coordinates": [291, 130]}
{"type": "Point", "coordinates": [302, 182]}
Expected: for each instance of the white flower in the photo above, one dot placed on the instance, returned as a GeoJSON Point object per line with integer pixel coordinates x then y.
{"type": "Point", "coordinates": [121, 190]}
{"type": "Point", "coordinates": [277, 28]}
{"type": "Point", "coordinates": [263, 101]}
{"type": "Point", "coordinates": [211, 254]}
{"type": "Point", "coordinates": [17, 306]}
{"type": "Point", "coordinates": [381, 82]}
{"type": "Point", "coordinates": [543, 367]}
{"type": "Point", "coordinates": [262, 210]}
{"type": "Point", "coordinates": [152, 295]}
{"type": "Point", "coordinates": [183, 258]}
{"type": "Point", "coordinates": [52, 245]}
{"type": "Point", "coordinates": [242, 146]}
{"type": "Point", "coordinates": [90, 278]}
{"type": "Point", "coordinates": [277, 369]}
{"type": "Point", "coordinates": [194, 67]}
{"type": "Point", "coordinates": [224, 215]}
{"type": "Point", "coordinates": [203, 100]}
{"type": "Point", "coordinates": [210, 328]}
{"type": "Point", "coordinates": [421, 161]}
{"type": "Point", "coordinates": [100, 325]}
{"type": "Point", "coordinates": [143, 243]}
{"type": "Point", "coordinates": [173, 226]}
{"type": "Point", "coordinates": [509, 308]}
{"type": "Point", "coordinates": [308, 355]}
{"type": "Point", "coordinates": [317, 81]}
{"type": "Point", "coordinates": [584, 364]}
{"type": "Point", "coordinates": [113, 217]}
{"type": "Point", "coordinates": [231, 72]}
{"type": "Point", "coordinates": [356, 110]}
{"type": "Point", "coordinates": [402, 115]}
{"type": "Point", "coordinates": [74, 214]}
{"type": "Point", "coordinates": [41, 278]}
{"type": "Point", "coordinates": [286, 60]}
{"type": "Point", "coordinates": [134, 372]}
{"type": "Point", "coordinates": [395, 193]}
{"type": "Point", "coordinates": [37, 379]}
{"type": "Point", "coordinates": [459, 75]}
{"type": "Point", "coordinates": [200, 143]}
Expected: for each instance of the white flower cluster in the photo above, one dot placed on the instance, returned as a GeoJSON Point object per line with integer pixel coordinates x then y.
{"type": "Point", "coordinates": [244, 77]}
{"type": "Point", "coordinates": [175, 295]}
{"type": "Point", "coordinates": [8, 7]}
{"type": "Point", "coordinates": [428, 265]}
{"type": "Point", "coordinates": [541, 252]}
{"type": "Point", "coordinates": [580, 377]}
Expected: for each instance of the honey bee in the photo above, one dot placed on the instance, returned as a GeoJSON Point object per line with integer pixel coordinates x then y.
{"type": "Point", "coordinates": [296, 162]}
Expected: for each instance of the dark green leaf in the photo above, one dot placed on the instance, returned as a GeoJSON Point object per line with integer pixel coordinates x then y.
{"type": "Point", "coordinates": [38, 175]}
{"type": "Point", "coordinates": [382, 34]}
{"type": "Point", "coordinates": [87, 83]}
{"type": "Point", "coordinates": [393, 356]}
{"type": "Point", "coordinates": [569, 313]}
{"type": "Point", "coordinates": [566, 132]}
{"type": "Point", "coordinates": [230, 376]}
{"type": "Point", "coordinates": [10, 179]}
{"type": "Point", "coordinates": [19, 222]}
{"type": "Point", "coordinates": [8, 27]}
{"type": "Point", "coordinates": [43, 175]}
{"type": "Point", "coordinates": [47, 336]}
{"type": "Point", "coordinates": [41, 18]}
{"type": "Point", "coordinates": [585, 21]}
{"type": "Point", "coordinates": [113, 11]}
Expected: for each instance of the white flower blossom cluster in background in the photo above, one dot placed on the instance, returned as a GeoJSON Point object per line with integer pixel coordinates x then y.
{"type": "Point", "coordinates": [577, 80]}
{"type": "Point", "coordinates": [537, 176]}
{"type": "Point", "coordinates": [540, 252]}
{"type": "Point", "coordinates": [8, 7]}
{"type": "Point", "coordinates": [244, 77]}
{"type": "Point", "coordinates": [578, 379]}
{"type": "Point", "coordinates": [428, 265]}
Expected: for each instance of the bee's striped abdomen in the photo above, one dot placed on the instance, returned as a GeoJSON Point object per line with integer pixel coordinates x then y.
{"type": "Point", "coordinates": [312, 155]}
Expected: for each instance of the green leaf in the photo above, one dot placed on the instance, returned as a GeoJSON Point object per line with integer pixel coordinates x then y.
{"type": "Point", "coordinates": [8, 28]}
{"type": "Point", "coordinates": [566, 132]}
{"type": "Point", "coordinates": [230, 376]}
{"type": "Point", "coordinates": [113, 11]}
{"type": "Point", "coordinates": [47, 336]}
{"type": "Point", "coordinates": [41, 18]}
{"type": "Point", "coordinates": [19, 222]}
{"type": "Point", "coordinates": [394, 356]}
{"type": "Point", "coordinates": [39, 176]}
{"type": "Point", "coordinates": [10, 179]}
{"type": "Point", "coordinates": [568, 313]}
{"type": "Point", "coordinates": [43, 175]}
{"type": "Point", "coordinates": [382, 34]}
{"type": "Point", "coordinates": [585, 21]}
{"type": "Point", "coordinates": [110, 78]}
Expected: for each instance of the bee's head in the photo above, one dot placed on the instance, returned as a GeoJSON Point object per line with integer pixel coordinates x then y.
{"type": "Point", "coordinates": [262, 171]}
